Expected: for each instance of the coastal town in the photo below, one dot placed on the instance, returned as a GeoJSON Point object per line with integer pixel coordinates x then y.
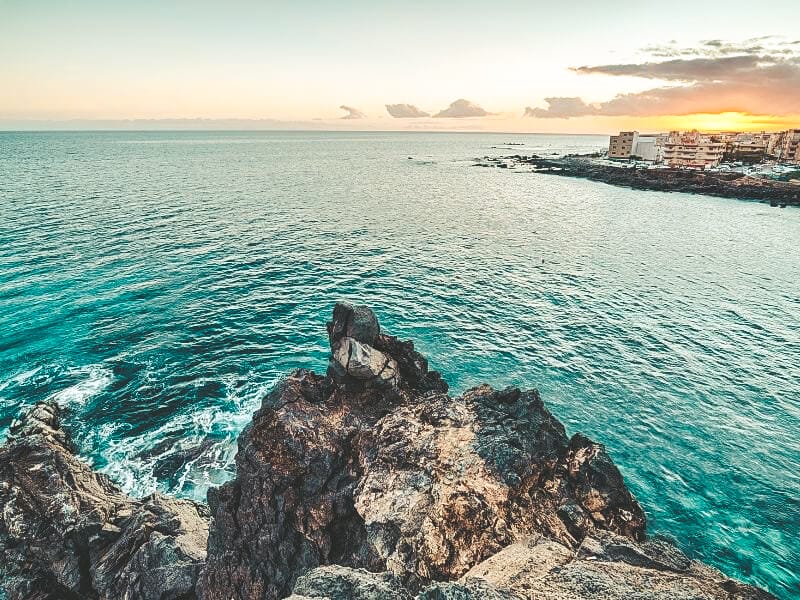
{"type": "Point", "coordinates": [749, 166]}
{"type": "Point", "coordinates": [696, 150]}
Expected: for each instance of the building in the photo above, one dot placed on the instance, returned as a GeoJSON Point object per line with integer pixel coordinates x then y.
{"type": "Point", "coordinates": [775, 143]}
{"type": "Point", "coordinates": [785, 146]}
{"type": "Point", "coordinates": [695, 150]}
{"type": "Point", "coordinates": [790, 148]}
{"type": "Point", "coordinates": [622, 145]}
{"type": "Point", "coordinates": [650, 147]}
{"type": "Point", "coordinates": [692, 150]}
{"type": "Point", "coordinates": [632, 144]}
{"type": "Point", "coordinates": [745, 147]}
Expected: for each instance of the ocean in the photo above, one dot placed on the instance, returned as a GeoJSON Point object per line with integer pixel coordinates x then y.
{"type": "Point", "coordinates": [156, 284]}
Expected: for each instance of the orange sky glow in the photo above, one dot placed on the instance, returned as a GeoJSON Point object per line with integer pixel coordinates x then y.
{"type": "Point", "coordinates": [524, 67]}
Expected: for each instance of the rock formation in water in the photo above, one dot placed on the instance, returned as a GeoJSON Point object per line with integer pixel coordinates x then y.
{"type": "Point", "coordinates": [69, 533]}
{"type": "Point", "coordinates": [370, 482]}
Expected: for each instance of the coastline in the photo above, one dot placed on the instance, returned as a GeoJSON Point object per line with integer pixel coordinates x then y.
{"type": "Point", "coordinates": [713, 183]}
{"type": "Point", "coordinates": [368, 482]}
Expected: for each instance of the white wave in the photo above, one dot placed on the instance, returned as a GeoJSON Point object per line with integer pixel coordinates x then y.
{"type": "Point", "coordinates": [19, 378]}
{"type": "Point", "coordinates": [97, 379]}
{"type": "Point", "coordinates": [211, 467]}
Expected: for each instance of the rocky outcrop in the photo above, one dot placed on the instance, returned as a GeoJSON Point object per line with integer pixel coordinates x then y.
{"type": "Point", "coordinates": [369, 482]}
{"type": "Point", "coordinates": [69, 533]}
{"type": "Point", "coordinates": [725, 184]}
{"type": "Point", "coordinates": [374, 466]}
{"type": "Point", "coordinates": [343, 582]}
{"type": "Point", "coordinates": [291, 506]}
{"type": "Point", "coordinates": [606, 566]}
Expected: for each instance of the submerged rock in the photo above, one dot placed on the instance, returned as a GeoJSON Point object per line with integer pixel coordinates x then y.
{"type": "Point", "coordinates": [67, 532]}
{"type": "Point", "coordinates": [369, 482]}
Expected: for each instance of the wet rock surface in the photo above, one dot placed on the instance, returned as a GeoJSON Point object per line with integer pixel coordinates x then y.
{"type": "Point", "coordinates": [712, 183]}
{"type": "Point", "coordinates": [369, 482]}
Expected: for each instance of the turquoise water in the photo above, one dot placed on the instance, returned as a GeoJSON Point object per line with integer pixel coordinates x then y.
{"type": "Point", "coordinates": [156, 284]}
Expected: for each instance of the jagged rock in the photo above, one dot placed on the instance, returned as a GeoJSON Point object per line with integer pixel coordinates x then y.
{"type": "Point", "coordinates": [290, 507]}
{"type": "Point", "coordinates": [658, 554]}
{"type": "Point", "coordinates": [468, 589]}
{"type": "Point", "coordinates": [449, 482]}
{"type": "Point", "coordinates": [357, 322]}
{"type": "Point", "coordinates": [67, 532]}
{"type": "Point", "coordinates": [607, 566]}
{"type": "Point", "coordinates": [404, 489]}
{"type": "Point", "coordinates": [359, 351]}
{"type": "Point", "coordinates": [337, 582]}
{"type": "Point", "coordinates": [346, 470]}
{"type": "Point", "coordinates": [343, 583]}
{"type": "Point", "coordinates": [517, 564]}
{"type": "Point", "coordinates": [365, 362]}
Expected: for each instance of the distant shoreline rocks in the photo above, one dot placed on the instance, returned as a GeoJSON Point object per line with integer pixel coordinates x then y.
{"type": "Point", "coordinates": [724, 184]}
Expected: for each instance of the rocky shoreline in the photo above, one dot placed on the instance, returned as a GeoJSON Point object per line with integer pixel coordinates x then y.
{"type": "Point", "coordinates": [712, 183]}
{"type": "Point", "coordinates": [369, 482]}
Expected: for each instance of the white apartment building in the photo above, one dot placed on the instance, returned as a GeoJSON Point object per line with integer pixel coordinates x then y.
{"type": "Point", "coordinates": [693, 150]}
{"type": "Point", "coordinates": [632, 144]}
{"type": "Point", "coordinates": [650, 147]}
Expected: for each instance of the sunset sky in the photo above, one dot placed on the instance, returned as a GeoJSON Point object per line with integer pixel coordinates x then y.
{"type": "Point", "coordinates": [576, 66]}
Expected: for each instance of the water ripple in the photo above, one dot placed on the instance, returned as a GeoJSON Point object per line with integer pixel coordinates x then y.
{"type": "Point", "coordinates": [157, 284]}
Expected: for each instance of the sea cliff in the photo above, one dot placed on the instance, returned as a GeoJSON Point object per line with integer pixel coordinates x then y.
{"type": "Point", "coordinates": [368, 482]}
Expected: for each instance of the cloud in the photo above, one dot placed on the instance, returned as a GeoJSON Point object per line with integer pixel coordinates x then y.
{"type": "Point", "coordinates": [681, 69]}
{"type": "Point", "coordinates": [717, 77]}
{"type": "Point", "coordinates": [405, 111]}
{"type": "Point", "coordinates": [461, 109]}
{"type": "Point", "coordinates": [561, 108]}
{"type": "Point", "coordinates": [352, 113]}
{"type": "Point", "coordinates": [715, 47]}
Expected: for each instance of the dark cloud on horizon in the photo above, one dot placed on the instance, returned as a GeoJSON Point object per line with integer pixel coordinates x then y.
{"type": "Point", "coordinates": [352, 113]}
{"type": "Point", "coordinates": [762, 81]}
{"type": "Point", "coordinates": [462, 109]}
{"type": "Point", "coordinates": [405, 111]}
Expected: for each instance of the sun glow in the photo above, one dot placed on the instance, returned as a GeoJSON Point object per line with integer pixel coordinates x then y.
{"type": "Point", "coordinates": [729, 121]}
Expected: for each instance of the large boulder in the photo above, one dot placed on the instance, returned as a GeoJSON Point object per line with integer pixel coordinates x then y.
{"type": "Point", "coordinates": [357, 322]}
{"type": "Point", "coordinates": [336, 582]}
{"type": "Point", "coordinates": [392, 474]}
{"type": "Point", "coordinates": [449, 482]}
{"type": "Point", "coordinates": [363, 357]}
{"type": "Point", "coordinates": [67, 532]}
{"type": "Point", "coordinates": [606, 566]}
{"type": "Point", "coordinates": [365, 362]}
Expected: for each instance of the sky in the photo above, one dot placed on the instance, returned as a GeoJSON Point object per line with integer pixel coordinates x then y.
{"type": "Point", "coordinates": [527, 66]}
